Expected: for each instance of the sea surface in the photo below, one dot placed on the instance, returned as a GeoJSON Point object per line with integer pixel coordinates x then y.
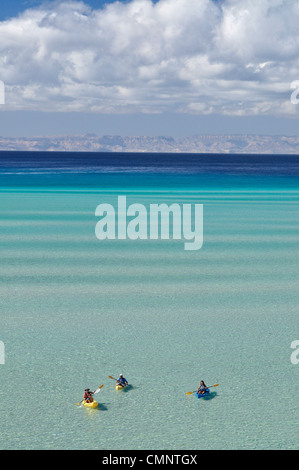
{"type": "Point", "coordinates": [74, 309]}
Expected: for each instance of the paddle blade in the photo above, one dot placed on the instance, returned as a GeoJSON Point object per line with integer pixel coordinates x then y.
{"type": "Point", "coordinates": [110, 377]}
{"type": "Point", "coordinates": [190, 393]}
{"type": "Point", "coordinates": [98, 389]}
{"type": "Point", "coordinates": [216, 385]}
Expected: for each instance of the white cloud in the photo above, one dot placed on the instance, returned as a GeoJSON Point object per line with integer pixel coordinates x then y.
{"type": "Point", "coordinates": [197, 56]}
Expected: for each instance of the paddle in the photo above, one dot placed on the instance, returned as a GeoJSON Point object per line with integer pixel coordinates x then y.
{"type": "Point", "coordinates": [96, 391]}
{"type": "Point", "coordinates": [190, 393]}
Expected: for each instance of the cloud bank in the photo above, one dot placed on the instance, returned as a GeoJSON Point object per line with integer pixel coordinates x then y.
{"type": "Point", "coordinates": [232, 57]}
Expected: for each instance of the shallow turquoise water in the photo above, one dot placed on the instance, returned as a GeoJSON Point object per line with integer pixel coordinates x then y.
{"type": "Point", "coordinates": [75, 310]}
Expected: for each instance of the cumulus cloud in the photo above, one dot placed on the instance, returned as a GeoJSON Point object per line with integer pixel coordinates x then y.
{"type": "Point", "coordinates": [232, 57]}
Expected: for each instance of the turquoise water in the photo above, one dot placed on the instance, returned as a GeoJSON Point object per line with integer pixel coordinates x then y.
{"type": "Point", "coordinates": [75, 310]}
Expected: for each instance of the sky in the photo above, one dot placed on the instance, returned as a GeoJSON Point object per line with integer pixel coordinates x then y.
{"type": "Point", "coordinates": [138, 67]}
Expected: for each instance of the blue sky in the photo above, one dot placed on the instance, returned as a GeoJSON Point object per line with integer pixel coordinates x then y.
{"type": "Point", "coordinates": [11, 8]}
{"type": "Point", "coordinates": [169, 67]}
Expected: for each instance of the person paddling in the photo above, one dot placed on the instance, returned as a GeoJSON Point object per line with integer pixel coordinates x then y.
{"type": "Point", "coordinates": [87, 397]}
{"type": "Point", "coordinates": [202, 388]}
{"type": "Point", "coordinates": [122, 381]}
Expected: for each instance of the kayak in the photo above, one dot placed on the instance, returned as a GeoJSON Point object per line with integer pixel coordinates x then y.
{"type": "Point", "coordinates": [120, 387]}
{"type": "Point", "coordinates": [93, 404]}
{"type": "Point", "coordinates": [201, 395]}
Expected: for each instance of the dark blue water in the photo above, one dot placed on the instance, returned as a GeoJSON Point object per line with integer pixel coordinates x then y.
{"type": "Point", "coordinates": [84, 169]}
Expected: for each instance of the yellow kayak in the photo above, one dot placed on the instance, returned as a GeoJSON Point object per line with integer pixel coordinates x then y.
{"type": "Point", "coordinates": [120, 387]}
{"type": "Point", "coordinates": [92, 404]}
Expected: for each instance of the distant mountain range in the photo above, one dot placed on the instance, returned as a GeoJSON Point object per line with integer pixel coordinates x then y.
{"type": "Point", "coordinates": [243, 143]}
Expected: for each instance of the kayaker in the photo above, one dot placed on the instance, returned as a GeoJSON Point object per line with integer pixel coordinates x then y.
{"type": "Point", "coordinates": [87, 397]}
{"type": "Point", "coordinates": [202, 388]}
{"type": "Point", "coordinates": [121, 381]}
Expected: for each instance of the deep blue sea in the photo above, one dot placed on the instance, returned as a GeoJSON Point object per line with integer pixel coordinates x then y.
{"type": "Point", "coordinates": [75, 309]}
